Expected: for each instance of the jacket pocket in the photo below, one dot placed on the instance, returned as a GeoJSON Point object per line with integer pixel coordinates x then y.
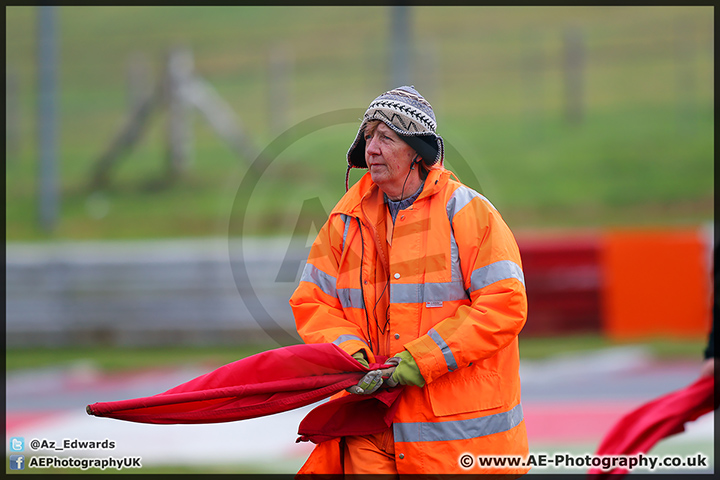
{"type": "Point", "coordinates": [459, 393]}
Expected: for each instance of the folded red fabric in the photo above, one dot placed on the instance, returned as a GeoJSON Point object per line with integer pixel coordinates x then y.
{"type": "Point", "coordinates": [350, 415]}
{"type": "Point", "coordinates": [266, 383]}
{"type": "Point", "coordinates": [639, 430]}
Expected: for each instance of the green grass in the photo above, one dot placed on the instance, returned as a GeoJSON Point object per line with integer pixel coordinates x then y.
{"type": "Point", "coordinates": [112, 358]}
{"type": "Point", "coordinates": [126, 358]}
{"type": "Point", "coordinates": [643, 153]}
{"type": "Point", "coordinates": [533, 348]}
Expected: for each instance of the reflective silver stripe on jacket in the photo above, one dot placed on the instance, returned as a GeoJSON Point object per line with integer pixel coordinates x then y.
{"type": "Point", "coordinates": [500, 270]}
{"type": "Point", "coordinates": [460, 198]}
{"type": "Point", "coordinates": [345, 338]}
{"type": "Point", "coordinates": [346, 219]}
{"type": "Point", "coordinates": [350, 297]}
{"type": "Point", "coordinates": [456, 270]}
{"type": "Point", "coordinates": [322, 280]}
{"type": "Point", "coordinates": [458, 429]}
{"type": "Point", "coordinates": [427, 292]}
{"type": "Point", "coordinates": [447, 353]}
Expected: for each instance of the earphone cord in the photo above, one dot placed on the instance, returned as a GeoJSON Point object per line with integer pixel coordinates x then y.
{"type": "Point", "coordinates": [387, 319]}
{"type": "Point", "coordinates": [367, 318]}
{"type": "Point", "coordinates": [412, 167]}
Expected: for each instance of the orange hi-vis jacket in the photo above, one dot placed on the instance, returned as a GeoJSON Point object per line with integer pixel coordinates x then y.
{"type": "Point", "coordinates": [445, 283]}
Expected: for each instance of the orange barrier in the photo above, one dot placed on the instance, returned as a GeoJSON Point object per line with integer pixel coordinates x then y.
{"type": "Point", "coordinates": [655, 283]}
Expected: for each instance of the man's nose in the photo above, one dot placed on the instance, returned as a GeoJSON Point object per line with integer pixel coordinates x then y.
{"type": "Point", "coordinates": [372, 146]}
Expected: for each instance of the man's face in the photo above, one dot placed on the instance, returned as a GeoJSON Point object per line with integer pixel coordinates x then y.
{"type": "Point", "coordinates": [388, 157]}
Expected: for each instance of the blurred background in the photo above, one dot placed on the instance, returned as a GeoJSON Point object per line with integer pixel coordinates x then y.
{"type": "Point", "coordinates": [168, 167]}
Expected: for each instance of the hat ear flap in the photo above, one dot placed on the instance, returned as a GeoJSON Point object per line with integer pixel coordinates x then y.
{"type": "Point", "coordinates": [428, 147]}
{"type": "Point", "coordinates": [357, 154]}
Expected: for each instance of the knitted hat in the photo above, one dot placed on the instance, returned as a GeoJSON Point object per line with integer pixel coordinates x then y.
{"type": "Point", "coordinates": [411, 116]}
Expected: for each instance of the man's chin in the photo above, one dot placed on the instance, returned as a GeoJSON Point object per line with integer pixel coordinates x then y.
{"type": "Point", "coordinates": [377, 172]}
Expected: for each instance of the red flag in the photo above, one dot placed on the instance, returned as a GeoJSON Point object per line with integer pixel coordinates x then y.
{"type": "Point", "coordinates": [639, 430]}
{"type": "Point", "coordinates": [350, 415]}
{"type": "Point", "coordinates": [269, 382]}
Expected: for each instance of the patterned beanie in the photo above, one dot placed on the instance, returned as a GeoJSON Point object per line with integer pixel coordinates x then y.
{"type": "Point", "coordinates": [411, 116]}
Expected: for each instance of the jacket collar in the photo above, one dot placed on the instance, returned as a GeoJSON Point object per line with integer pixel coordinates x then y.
{"type": "Point", "coordinates": [367, 190]}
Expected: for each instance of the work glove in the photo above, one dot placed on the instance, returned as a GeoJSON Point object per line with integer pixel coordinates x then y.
{"type": "Point", "coordinates": [371, 381]}
{"type": "Point", "coordinates": [360, 357]}
{"type": "Point", "coordinates": [406, 372]}
{"type": "Point", "coordinates": [367, 384]}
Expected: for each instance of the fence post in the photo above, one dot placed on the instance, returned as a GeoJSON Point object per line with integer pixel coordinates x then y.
{"type": "Point", "coordinates": [428, 71]}
{"type": "Point", "coordinates": [574, 64]}
{"type": "Point", "coordinates": [178, 76]}
{"type": "Point", "coordinates": [139, 80]}
{"type": "Point", "coordinates": [685, 75]}
{"type": "Point", "coordinates": [12, 114]}
{"type": "Point", "coordinates": [128, 136]}
{"type": "Point", "coordinates": [278, 92]}
{"type": "Point", "coordinates": [47, 122]}
{"type": "Point", "coordinates": [400, 46]}
{"type": "Point", "coordinates": [534, 64]}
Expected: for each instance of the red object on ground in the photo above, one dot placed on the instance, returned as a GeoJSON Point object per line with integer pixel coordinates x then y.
{"type": "Point", "coordinates": [563, 282]}
{"type": "Point", "coordinates": [639, 430]}
{"type": "Point", "coordinates": [270, 382]}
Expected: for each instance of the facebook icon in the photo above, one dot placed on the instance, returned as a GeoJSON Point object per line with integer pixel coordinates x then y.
{"type": "Point", "coordinates": [17, 462]}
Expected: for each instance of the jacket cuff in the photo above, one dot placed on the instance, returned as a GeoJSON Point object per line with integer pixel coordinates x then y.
{"type": "Point", "coordinates": [354, 346]}
{"type": "Point", "coordinates": [428, 357]}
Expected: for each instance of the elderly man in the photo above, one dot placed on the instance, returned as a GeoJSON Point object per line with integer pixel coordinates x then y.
{"type": "Point", "coordinates": [414, 265]}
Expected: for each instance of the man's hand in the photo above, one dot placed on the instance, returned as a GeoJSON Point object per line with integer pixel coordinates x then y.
{"type": "Point", "coordinates": [407, 371]}
{"type": "Point", "coordinates": [368, 384]}
{"type": "Point", "coordinates": [372, 380]}
{"type": "Point", "coordinates": [360, 357]}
